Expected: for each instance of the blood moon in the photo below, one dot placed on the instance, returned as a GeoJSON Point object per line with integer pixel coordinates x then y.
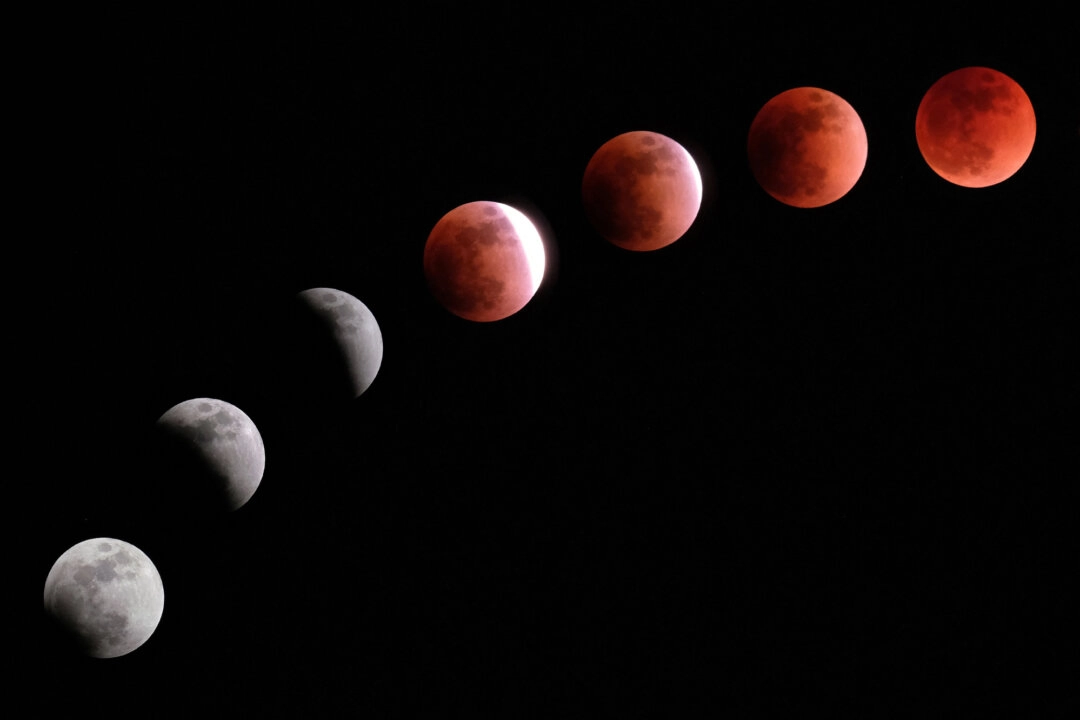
{"type": "Point", "coordinates": [807, 147]}
{"type": "Point", "coordinates": [641, 190]}
{"type": "Point", "coordinates": [484, 261]}
{"type": "Point", "coordinates": [975, 127]}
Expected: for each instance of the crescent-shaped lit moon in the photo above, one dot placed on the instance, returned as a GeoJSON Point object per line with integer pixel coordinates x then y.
{"type": "Point", "coordinates": [355, 331]}
{"type": "Point", "coordinates": [484, 261]}
{"type": "Point", "coordinates": [220, 447]}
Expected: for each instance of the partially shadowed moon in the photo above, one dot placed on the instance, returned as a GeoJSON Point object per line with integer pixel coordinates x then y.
{"type": "Point", "coordinates": [975, 127]}
{"type": "Point", "coordinates": [217, 451]}
{"type": "Point", "coordinates": [355, 332]}
{"type": "Point", "coordinates": [484, 261]}
{"type": "Point", "coordinates": [641, 190]}
{"type": "Point", "coordinates": [807, 147]}
{"type": "Point", "coordinates": [106, 595]}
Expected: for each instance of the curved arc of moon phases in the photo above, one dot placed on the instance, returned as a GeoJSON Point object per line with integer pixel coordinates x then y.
{"type": "Point", "coordinates": [641, 190]}
{"type": "Point", "coordinates": [807, 147]}
{"type": "Point", "coordinates": [355, 330]}
{"type": "Point", "coordinates": [975, 127]}
{"type": "Point", "coordinates": [107, 595]}
{"type": "Point", "coordinates": [227, 441]}
{"type": "Point", "coordinates": [484, 261]}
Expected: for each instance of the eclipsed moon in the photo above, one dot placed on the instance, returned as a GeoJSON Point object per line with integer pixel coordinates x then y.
{"type": "Point", "coordinates": [807, 147]}
{"type": "Point", "coordinates": [219, 448]}
{"type": "Point", "coordinates": [641, 190]}
{"type": "Point", "coordinates": [484, 261]}
{"type": "Point", "coordinates": [355, 332]}
{"type": "Point", "coordinates": [975, 127]}
{"type": "Point", "coordinates": [106, 595]}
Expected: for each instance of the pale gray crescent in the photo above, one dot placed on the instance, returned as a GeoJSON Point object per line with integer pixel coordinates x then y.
{"type": "Point", "coordinates": [225, 445]}
{"type": "Point", "coordinates": [355, 332]}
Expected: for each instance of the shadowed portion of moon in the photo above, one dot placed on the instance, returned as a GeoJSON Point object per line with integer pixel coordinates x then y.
{"type": "Point", "coordinates": [975, 127]}
{"type": "Point", "coordinates": [484, 261]}
{"type": "Point", "coordinates": [105, 596]}
{"type": "Point", "coordinates": [211, 456]}
{"type": "Point", "coordinates": [641, 190]}
{"type": "Point", "coordinates": [355, 351]}
{"type": "Point", "coordinates": [807, 147]}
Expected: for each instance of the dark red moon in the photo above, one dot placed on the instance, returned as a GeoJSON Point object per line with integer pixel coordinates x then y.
{"type": "Point", "coordinates": [975, 127]}
{"type": "Point", "coordinates": [641, 190]}
{"type": "Point", "coordinates": [807, 147]}
{"type": "Point", "coordinates": [484, 261]}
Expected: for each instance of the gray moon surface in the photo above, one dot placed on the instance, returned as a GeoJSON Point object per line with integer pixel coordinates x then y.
{"type": "Point", "coordinates": [107, 595]}
{"type": "Point", "coordinates": [225, 441]}
{"type": "Point", "coordinates": [355, 332]}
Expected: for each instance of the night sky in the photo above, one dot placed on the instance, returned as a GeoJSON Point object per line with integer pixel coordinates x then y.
{"type": "Point", "coordinates": [799, 458]}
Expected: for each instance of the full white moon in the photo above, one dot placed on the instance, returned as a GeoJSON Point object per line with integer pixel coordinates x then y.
{"type": "Point", "coordinates": [355, 331]}
{"type": "Point", "coordinates": [107, 595]}
{"type": "Point", "coordinates": [226, 443]}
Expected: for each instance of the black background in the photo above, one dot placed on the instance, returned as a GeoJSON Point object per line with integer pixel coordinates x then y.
{"type": "Point", "coordinates": [798, 458]}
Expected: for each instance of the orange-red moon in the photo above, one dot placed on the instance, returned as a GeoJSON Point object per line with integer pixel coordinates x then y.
{"type": "Point", "coordinates": [807, 147]}
{"type": "Point", "coordinates": [641, 190]}
{"type": "Point", "coordinates": [484, 261]}
{"type": "Point", "coordinates": [975, 127]}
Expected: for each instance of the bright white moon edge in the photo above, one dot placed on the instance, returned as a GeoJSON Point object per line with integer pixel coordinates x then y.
{"type": "Point", "coordinates": [531, 243]}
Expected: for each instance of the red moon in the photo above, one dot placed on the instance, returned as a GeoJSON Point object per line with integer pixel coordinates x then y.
{"type": "Point", "coordinates": [975, 127]}
{"type": "Point", "coordinates": [484, 261]}
{"type": "Point", "coordinates": [641, 190]}
{"type": "Point", "coordinates": [807, 147]}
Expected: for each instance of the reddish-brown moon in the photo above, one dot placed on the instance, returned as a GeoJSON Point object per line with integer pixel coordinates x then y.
{"type": "Point", "coordinates": [641, 190]}
{"type": "Point", "coordinates": [807, 147]}
{"type": "Point", "coordinates": [484, 261]}
{"type": "Point", "coordinates": [975, 127]}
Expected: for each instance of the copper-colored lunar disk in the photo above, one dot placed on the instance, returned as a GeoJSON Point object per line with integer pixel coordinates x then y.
{"type": "Point", "coordinates": [641, 190]}
{"type": "Point", "coordinates": [484, 261]}
{"type": "Point", "coordinates": [975, 127]}
{"type": "Point", "coordinates": [807, 147]}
